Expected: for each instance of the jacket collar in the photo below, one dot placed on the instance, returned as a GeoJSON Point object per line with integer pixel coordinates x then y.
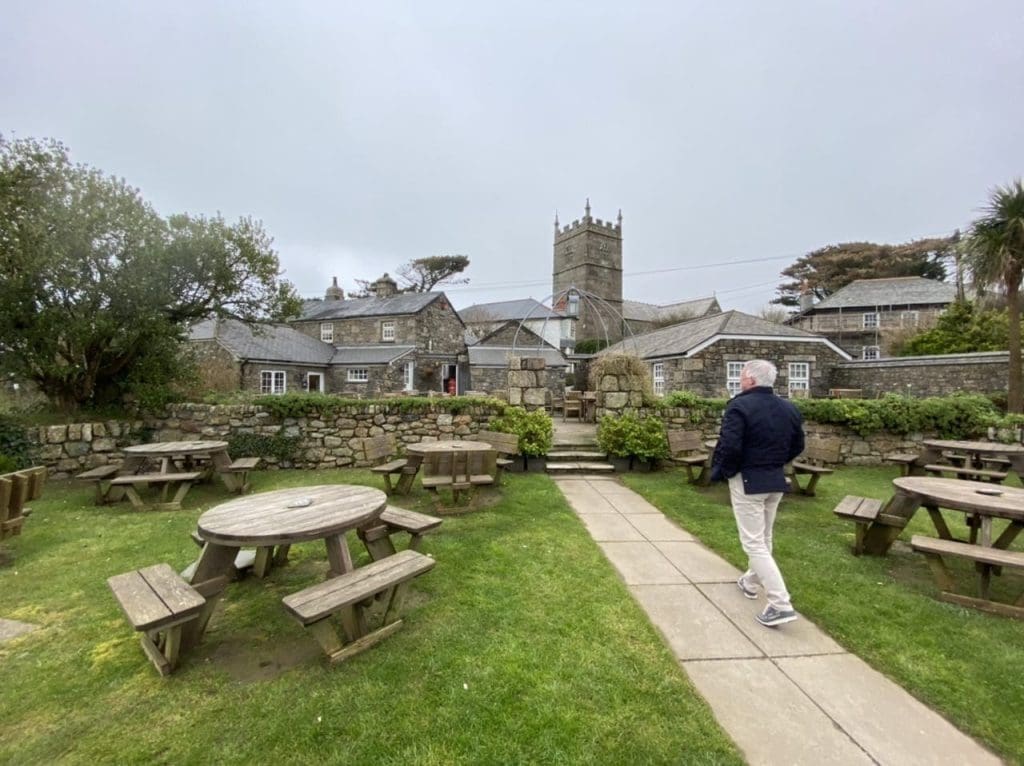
{"type": "Point", "coordinates": [757, 390]}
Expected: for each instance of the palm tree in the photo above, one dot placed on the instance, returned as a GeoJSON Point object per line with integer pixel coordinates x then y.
{"type": "Point", "coordinates": [997, 257]}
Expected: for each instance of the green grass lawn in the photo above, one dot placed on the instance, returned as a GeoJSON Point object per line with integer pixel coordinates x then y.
{"type": "Point", "coordinates": [521, 646]}
{"type": "Point", "coordinates": [967, 665]}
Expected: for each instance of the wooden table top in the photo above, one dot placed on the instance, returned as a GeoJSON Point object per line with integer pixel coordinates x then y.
{"type": "Point", "coordinates": [969, 446]}
{"type": "Point", "coordinates": [968, 496]}
{"type": "Point", "coordinates": [291, 515]}
{"type": "Point", "coordinates": [463, 445]}
{"type": "Point", "coordinates": [163, 449]}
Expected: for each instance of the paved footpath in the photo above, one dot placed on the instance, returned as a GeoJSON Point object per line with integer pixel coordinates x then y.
{"type": "Point", "coordinates": [786, 695]}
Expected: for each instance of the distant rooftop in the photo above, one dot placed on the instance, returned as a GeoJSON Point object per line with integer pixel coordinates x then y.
{"type": "Point", "coordinates": [403, 303]}
{"type": "Point", "coordinates": [500, 311]}
{"type": "Point", "coordinates": [889, 291]}
{"type": "Point", "coordinates": [648, 312]}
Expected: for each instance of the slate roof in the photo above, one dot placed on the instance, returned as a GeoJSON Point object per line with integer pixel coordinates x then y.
{"type": "Point", "coordinates": [648, 312]}
{"type": "Point", "coordinates": [265, 342]}
{"type": "Point", "coordinates": [892, 291]}
{"type": "Point", "coordinates": [396, 305]}
{"type": "Point", "coordinates": [525, 308]}
{"type": "Point", "coordinates": [370, 354]}
{"type": "Point", "coordinates": [683, 338]}
{"type": "Point", "coordinates": [498, 356]}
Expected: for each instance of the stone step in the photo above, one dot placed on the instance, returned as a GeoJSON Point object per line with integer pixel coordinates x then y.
{"type": "Point", "coordinates": [576, 455]}
{"type": "Point", "coordinates": [580, 467]}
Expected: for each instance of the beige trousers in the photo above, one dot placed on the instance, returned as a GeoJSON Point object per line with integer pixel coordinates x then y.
{"type": "Point", "coordinates": [755, 517]}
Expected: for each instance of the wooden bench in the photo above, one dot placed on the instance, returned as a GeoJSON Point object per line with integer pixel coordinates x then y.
{"type": "Point", "coordinates": [572, 405]}
{"type": "Point", "coordinates": [377, 538]}
{"type": "Point", "coordinates": [687, 447]}
{"type": "Point", "coordinates": [378, 448]}
{"type": "Point", "coordinates": [242, 466]}
{"type": "Point", "coordinates": [458, 471]}
{"type": "Point", "coordinates": [16, 489]}
{"type": "Point", "coordinates": [503, 444]}
{"type": "Point", "coordinates": [101, 475]}
{"type": "Point", "coordinates": [158, 602]}
{"type": "Point", "coordinates": [166, 481]}
{"type": "Point", "coordinates": [974, 474]}
{"type": "Point", "coordinates": [861, 511]}
{"type": "Point", "coordinates": [905, 460]}
{"type": "Point", "coordinates": [351, 594]}
{"type": "Point", "coordinates": [817, 455]}
{"type": "Point", "coordinates": [986, 558]}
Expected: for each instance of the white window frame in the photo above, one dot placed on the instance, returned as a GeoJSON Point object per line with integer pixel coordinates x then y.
{"type": "Point", "coordinates": [658, 378]}
{"type": "Point", "coordinates": [732, 377]}
{"type": "Point", "coordinates": [570, 332]}
{"type": "Point", "coordinates": [387, 331]}
{"type": "Point", "coordinates": [327, 332]}
{"type": "Point", "coordinates": [870, 352]}
{"type": "Point", "coordinates": [273, 382]}
{"type": "Point", "coordinates": [408, 376]}
{"type": "Point", "coordinates": [870, 320]}
{"type": "Point", "coordinates": [799, 378]}
{"type": "Point", "coordinates": [910, 318]}
{"type": "Point", "coordinates": [358, 375]}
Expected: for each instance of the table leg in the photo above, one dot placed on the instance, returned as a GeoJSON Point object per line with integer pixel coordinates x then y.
{"type": "Point", "coordinates": [408, 475]}
{"type": "Point", "coordinates": [939, 522]}
{"type": "Point", "coordinates": [879, 536]}
{"type": "Point", "coordinates": [338, 555]}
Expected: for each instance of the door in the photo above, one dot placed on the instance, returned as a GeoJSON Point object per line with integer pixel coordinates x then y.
{"type": "Point", "coordinates": [314, 382]}
{"type": "Point", "coordinates": [449, 379]}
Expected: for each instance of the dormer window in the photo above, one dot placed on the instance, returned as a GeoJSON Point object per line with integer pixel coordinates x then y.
{"type": "Point", "coordinates": [387, 330]}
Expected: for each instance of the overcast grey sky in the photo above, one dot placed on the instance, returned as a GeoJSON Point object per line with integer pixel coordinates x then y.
{"type": "Point", "coordinates": [368, 134]}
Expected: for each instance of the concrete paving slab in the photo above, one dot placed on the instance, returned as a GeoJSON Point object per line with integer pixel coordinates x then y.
{"type": "Point", "coordinates": [630, 506]}
{"type": "Point", "coordinates": [698, 563]}
{"type": "Point", "coordinates": [769, 717]}
{"type": "Point", "coordinates": [692, 625]}
{"type": "Point", "coordinates": [793, 639]}
{"type": "Point", "coordinates": [12, 629]}
{"type": "Point", "coordinates": [655, 527]}
{"type": "Point", "coordinates": [893, 726]}
{"type": "Point", "coordinates": [610, 527]}
{"type": "Point", "coordinates": [592, 504]}
{"type": "Point", "coordinates": [641, 564]}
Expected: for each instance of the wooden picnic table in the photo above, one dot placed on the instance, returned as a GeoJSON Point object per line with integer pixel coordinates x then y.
{"type": "Point", "coordinates": [456, 465]}
{"type": "Point", "coordinates": [588, 406]}
{"type": "Point", "coordinates": [208, 455]}
{"type": "Point", "coordinates": [980, 501]}
{"type": "Point", "coordinates": [976, 453]}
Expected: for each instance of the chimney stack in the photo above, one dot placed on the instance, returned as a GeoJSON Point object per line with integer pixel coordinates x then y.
{"type": "Point", "coordinates": [385, 287]}
{"type": "Point", "coordinates": [806, 297]}
{"type": "Point", "coordinates": [334, 293]}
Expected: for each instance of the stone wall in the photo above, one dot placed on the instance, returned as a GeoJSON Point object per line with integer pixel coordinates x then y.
{"type": "Point", "coordinates": [922, 376]}
{"type": "Point", "coordinates": [330, 442]}
{"type": "Point", "coordinates": [528, 382]}
{"type": "Point", "coordinates": [619, 394]}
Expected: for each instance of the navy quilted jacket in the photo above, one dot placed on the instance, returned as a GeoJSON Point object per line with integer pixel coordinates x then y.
{"type": "Point", "coordinates": [761, 432]}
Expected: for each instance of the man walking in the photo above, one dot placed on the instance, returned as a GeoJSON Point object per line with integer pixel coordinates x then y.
{"type": "Point", "coordinates": [760, 434]}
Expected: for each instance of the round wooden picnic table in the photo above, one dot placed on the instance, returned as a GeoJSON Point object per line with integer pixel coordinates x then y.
{"type": "Point", "coordinates": [175, 449]}
{"type": "Point", "coordinates": [975, 497]}
{"type": "Point", "coordinates": [423, 448]}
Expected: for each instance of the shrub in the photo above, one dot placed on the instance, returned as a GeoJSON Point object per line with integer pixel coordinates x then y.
{"type": "Point", "coordinates": [284, 448]}
{"type": "Point", "coordinates": [325, 405]}
{"type": "Point", "coordinates": [958, 417]}
{"type": "Point", "coordinates": [534, 429]}
{"type": "Point", "coordinates": [619, 364]}
{"type": "Point", "coordinates": [632, 436]}
{"type": "Point", "coordinates": [699, 407]}
{"type": "Point", "coordinates": [15, 448]}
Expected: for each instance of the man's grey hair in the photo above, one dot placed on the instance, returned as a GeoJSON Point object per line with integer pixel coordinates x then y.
{"type": "Point", "coordinates": [761, 371]}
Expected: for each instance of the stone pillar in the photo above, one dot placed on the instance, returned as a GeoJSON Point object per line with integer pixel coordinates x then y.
{"type": "Point", "coordinates": [526, 382]}
{"type": "Point", "coordinates": [619, 394]}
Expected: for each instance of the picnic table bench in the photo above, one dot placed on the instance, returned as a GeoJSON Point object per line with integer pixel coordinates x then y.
{"type": "Point", "coordinates": [351, 595]}
{"type": "Point", "coordinates": [101, 476]}
{"type": "Point", "coordinates": [158, 602]}
{"type": "Point", "coordinates": [381, 448]}
{"type": "Point", "coordinates": [966, 472]}
{"type": "Point", "coordinates": [687, 447]}
{"type": "Point", "coordinates": [378, 537]}
{"type": "Point", "coordinates": [818, 454]}
{"type": "Point", "coordinates": [460, 468]}
{"type": "Point", "coordinates": [503, 444]}
{"type": "Point", "coordinates": [862, 511]}
{"type": "Point", "coordinates": [182, 482]}
{"type": "Point", "coordinates": [986, 560]}
{"type": "Point", "coordinates": [16, 489]}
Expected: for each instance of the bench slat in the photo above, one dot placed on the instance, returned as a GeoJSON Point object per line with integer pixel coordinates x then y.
{"type": "Point", "coordinates": [808, 468]}
{"type": "Point", "coordinates": [99, 472]}
{"type": "Point", "coordinates": [245, 464]}
{"type": "Point", "coordinates": [156, 478]}
{"type": "Point", "coordinates": [939, 468]}
{"type": "Point", "coordinates": [993, 556]}
{"type": "Point", "coordinates": [320, 601]}
{"type": "Point", "coordinates": [409, 521]}
{"type": "Point", "coordinates": [506, 444]}
{"type": "Point", "coordinates": [390, 467]}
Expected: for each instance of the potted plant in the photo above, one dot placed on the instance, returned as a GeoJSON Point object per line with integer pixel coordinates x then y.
{"type": "Point", "coordinates": [535, 433]}
{"type": "Point", "coordinates": [613, 437]}
{"type": "Point", "coordinates": [631, 442]}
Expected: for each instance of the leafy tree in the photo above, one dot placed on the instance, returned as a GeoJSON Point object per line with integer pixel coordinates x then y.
{"type": "Point", "coordinates": [98, 289]}
{"type": "Point", "coordinates": [997, 257]}
{"type": "Point", "coordinates": [829, 268]}
{"type": "Point", "coordinates": [961, 329]}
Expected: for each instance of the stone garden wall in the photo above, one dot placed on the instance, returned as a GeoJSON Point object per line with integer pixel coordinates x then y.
{"type": "Point", "coordinates": [330, 442]}
{"type": "Point", "coordinates": [922, 376]}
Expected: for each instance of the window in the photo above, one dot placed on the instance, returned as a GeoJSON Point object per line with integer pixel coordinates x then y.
{"type": "Point", "coordinates": [358, 375]}
{"type": "Point", "coordinates": [658, 375]}
{"type": "Point", "coordinates": [327, 332]}
{"type": "Point", "coordinates": [272, 382]}
{"type": "Point", "coordinates": [869, 352]}
{"type": "Point", "coordinates": [387, 330]}
{"type": "Point", "coordinates": [570, 331]}
{"type": "Point", "coordinates": [870, 320]}
{"type": "Point", "coordinates": [909, 319]}
{"type": "Point", "coordinates": [574, 304]}
{"type": "Point", "coordinates": [799, 377]}
{"type": "Point", "coordinates": [732, 377]}
{"type": "Point", "coordinates": [407, 375]}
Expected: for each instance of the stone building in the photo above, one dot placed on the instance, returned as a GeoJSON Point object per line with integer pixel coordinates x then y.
{"type": "Point", "coordinates": [555, 327]}
{"type": "Point", "coordinates": [866, 316]}
{"type": "Point", "coordinates": [705, 355]}
{"type": "Point", "coordinates": [490, 356]}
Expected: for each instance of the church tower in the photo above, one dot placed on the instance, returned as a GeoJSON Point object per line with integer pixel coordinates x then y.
{"type": "Point", "coordinates": [588, 256]}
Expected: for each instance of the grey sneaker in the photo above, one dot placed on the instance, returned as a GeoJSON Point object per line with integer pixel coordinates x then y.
{"type": "Point", "coordinates": [747, 590]}
{"type": "Point", "coordinates": [772, 617]}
